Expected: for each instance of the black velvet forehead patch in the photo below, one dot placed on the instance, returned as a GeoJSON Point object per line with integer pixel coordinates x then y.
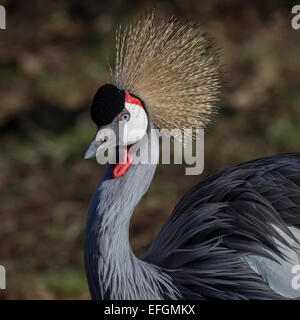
{"type": "Point", "coordinates": [108, 102]}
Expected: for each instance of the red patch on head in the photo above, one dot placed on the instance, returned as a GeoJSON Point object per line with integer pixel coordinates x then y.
{"type": "Point", "coordinates": [130, 99]}
{"type": "Point", "coordinates": [120, 169]}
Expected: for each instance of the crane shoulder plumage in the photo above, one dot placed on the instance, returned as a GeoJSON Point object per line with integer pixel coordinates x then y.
{"type": "Point", "coordinates": [235, 234]}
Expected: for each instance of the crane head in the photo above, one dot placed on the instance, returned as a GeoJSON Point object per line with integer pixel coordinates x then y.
{"type": "Point", "coordinates": [121, 119]}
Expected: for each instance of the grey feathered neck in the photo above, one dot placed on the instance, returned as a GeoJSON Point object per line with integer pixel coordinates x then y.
{"type": "Point", "coordinates": [110, 262]}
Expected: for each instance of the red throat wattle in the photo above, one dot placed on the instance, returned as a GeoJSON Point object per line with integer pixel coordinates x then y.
{"type": "Point", "coordinates": [120, 169]}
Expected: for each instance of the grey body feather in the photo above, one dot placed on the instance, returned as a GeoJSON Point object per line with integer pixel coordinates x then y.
{"type": "Point", "coordinates": [234, 235]}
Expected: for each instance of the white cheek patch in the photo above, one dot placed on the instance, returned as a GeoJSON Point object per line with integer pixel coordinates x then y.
{"type": "Point", "coordinates": [136, 127]}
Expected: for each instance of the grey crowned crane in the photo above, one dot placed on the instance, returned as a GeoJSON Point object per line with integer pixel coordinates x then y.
{"type": "Point", "coordinates": [236, 234]}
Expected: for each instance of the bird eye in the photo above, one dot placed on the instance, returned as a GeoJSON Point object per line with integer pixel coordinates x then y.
{"type": "Point", "coordinates": [125, 116]}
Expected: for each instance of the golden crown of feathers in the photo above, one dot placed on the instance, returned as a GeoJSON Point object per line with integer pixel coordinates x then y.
{"type": "Point", "coordinates": [173, 67]}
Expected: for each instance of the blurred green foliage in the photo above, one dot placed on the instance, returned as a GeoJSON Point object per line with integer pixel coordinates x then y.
{"type": "Point", "coordinates": [53, 57]}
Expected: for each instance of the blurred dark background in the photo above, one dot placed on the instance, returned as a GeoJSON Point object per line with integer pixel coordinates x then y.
{"type": "Point", "coordinates": [53, 57]}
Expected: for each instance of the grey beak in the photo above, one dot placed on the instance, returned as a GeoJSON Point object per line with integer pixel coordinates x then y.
{"type": "Point", "coordinates": [105, 138]}
{"type": "Point", "coordinates": [92, 149]}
